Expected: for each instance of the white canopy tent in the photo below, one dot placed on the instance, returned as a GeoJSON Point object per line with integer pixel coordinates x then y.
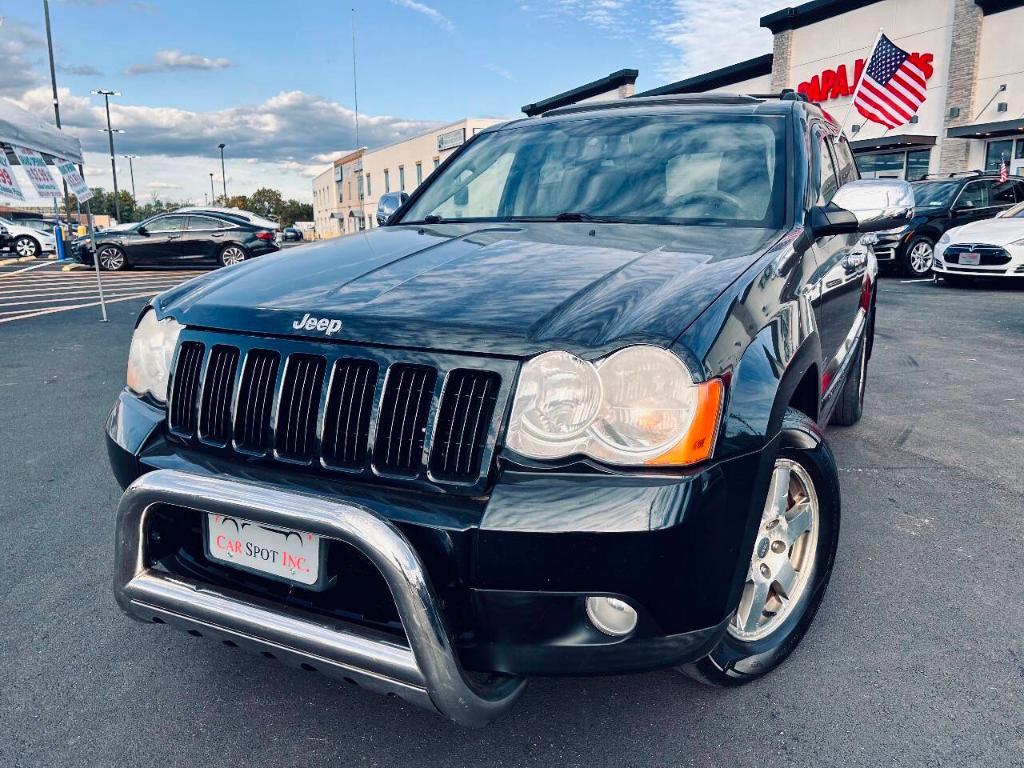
{"type": "Point", "coordinates": [20, 128]}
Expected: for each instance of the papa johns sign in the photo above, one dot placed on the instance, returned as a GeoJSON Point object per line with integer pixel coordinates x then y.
{"type": "Point", "coordinates": [836, 83]}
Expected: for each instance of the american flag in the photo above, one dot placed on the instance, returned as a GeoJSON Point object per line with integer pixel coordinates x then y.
{"type": "Point", "coordinates": [1004, 175]}
{"type": "Point", "coordinates": [892, 87]}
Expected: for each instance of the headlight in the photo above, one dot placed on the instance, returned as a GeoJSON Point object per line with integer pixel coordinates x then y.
{"type": "Point", "coordinates": [944, 240]}
{"type": "Point", "coordinates": [149, 360]}
{"type": "Point", "coordinates": [639, 405]}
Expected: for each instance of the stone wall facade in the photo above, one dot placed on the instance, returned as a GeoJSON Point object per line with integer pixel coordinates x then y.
{"type": "Point", "coordinates": [960, 91]}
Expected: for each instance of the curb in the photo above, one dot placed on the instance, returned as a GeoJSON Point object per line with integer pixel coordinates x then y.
{"type": "Point", "coordinates": [5, 262]}
{"type": "Point", "coordinates": [69, 267]}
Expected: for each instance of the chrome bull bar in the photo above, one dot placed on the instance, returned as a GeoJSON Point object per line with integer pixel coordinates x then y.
{"type": "Point", "coordinates": [426, 672]}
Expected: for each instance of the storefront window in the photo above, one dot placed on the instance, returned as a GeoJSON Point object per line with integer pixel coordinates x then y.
{"type": "Point", "coordinates": [881, 165]}
{"type": "Point", "coordinates": [917, 164]}
{"type": "Point", "coordinates": [1020, 149]}
{"type": "Point", "coordinates": [997, 152]}
{"type": "Point", "coordinates": [912, 165]}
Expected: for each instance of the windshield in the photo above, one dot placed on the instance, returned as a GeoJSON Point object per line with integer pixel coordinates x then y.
{"type": "Point", "coordinates": [934, 194]}
{"type": "Point", "coordinates": [669, 169]}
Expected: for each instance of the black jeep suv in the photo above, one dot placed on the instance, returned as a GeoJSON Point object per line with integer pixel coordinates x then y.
{"type": "Point", "coordinates": [562, 415]}
{"type": "Point", "coordinates": [941, 205]}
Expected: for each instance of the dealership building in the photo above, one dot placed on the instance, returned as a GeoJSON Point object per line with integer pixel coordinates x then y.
{"type": "Point", "coordinates": [973, 52]}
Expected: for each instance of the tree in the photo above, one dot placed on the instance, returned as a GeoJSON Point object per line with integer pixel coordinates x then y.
{"type": "Point", "coordinates": [266, 202]}
{"type": "Point", "coordinates": [293, 211]}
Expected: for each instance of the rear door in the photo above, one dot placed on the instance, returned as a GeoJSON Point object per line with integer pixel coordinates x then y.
{"type": "Point", "coordinates": [203, 238]}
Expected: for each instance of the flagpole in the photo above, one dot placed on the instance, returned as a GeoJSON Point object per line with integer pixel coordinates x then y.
{"type": "Point", "coordinates": [856, 88]}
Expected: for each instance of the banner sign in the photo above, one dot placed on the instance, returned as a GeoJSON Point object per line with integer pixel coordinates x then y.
{"type": "Point", "coordinates": [37, 171]}
{"type": "Point", "coordinates": [74, 181]}
{"type": "Point", "coordinates": [8, 184]}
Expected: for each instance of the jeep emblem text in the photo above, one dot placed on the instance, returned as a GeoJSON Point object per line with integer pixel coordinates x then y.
{"type": "Point", "coordinates": [327, 325]}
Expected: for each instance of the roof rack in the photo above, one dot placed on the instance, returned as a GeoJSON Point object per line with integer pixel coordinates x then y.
{"type": "Point", "coordinates": [696, 99]}
{"type": "Point", "coordinates": [786, 94]}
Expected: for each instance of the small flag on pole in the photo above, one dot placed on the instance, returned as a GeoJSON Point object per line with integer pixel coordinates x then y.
{"type": "Point", "coordinates": [892, 88]}
{"type": "Point", "coordinates": [1004, 175]}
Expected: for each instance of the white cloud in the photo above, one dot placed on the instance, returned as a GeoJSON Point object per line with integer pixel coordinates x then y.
{"type": "Point", "coordinates": [431, 13]}
{"type": "Point", "coordinates": [501, 72]}
{"type": "Point", "coordinates": [174, 60]}
{"type": "Point", "coordinates": [708, 36]}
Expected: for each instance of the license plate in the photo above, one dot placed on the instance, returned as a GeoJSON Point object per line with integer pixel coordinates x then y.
{"type": "Point", "coordinates": [292, 556]}
{"type": "Point", "coordinates": [970, 259]}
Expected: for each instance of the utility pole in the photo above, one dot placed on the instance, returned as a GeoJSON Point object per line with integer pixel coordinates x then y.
{"type": "Point", "coordinates": [213, 196]}
{"type": "Point", "coordinates": [131, 170]}
{"type": "Point", "coordinates": [110, 136]}
{"type": "Point", "coordinates": [223, 178]}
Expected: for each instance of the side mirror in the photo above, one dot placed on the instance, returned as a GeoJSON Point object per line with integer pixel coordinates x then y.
{"type": "Point", "coordinates": [142, 230]}
{"type": "Point", "coordinates": [867, 205]}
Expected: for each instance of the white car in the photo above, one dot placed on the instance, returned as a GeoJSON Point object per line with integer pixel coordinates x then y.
{"type": "Point", "coordinates": [28, 241]}
{"type": "Point", "coordinates": [986, 248]}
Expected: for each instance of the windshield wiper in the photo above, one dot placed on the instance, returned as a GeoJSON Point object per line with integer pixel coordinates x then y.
{"type": "Point", "coordinates": [576, 216]}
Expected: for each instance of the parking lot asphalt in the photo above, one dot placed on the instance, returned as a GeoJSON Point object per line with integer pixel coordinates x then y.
{"type": "Point", "coordinates": [916, 657]}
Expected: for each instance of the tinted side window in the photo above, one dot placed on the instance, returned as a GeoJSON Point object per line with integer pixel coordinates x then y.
{"type": "Point", "coordinates": [1004, 194]}
{"type": "Point", "coordinates": [847, 164]}
{"type": "Point", "coordinates": [204, 223]}
{"type": "Point", "coordinates": [974, 195]}
{"type": "Point", "coordinates": [828, 181]}
{"type": "Point", "coordinates": [167, 224]}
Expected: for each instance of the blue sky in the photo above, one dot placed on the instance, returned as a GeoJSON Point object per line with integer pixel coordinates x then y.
{"type": "Point", "coordinates": [273, 80]}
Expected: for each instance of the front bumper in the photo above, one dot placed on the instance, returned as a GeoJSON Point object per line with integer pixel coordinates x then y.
{"type": "Point", "coordinates": [510, 570]}
{"type": "Point", "coordinates": [997, 261]}
{"type": "Point", "coordinates": [889, 245]}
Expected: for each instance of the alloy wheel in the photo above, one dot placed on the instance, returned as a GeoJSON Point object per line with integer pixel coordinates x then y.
{"type": "Point", "coordinates": [921, 258]}
{"type": "Point", "coordinates": [232, 255]}
{"type": "Point", "coordinates": [784, 554]}
{"type": "Point", "coordinates": [111, 258]}
{"type": "Point", "coordinates": [25, 246]}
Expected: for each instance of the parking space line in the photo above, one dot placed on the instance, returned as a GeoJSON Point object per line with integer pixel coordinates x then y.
{"type": "Point", "coordinates": [77, 297]}
{"type": "Point", "coordinates": [55, 310]}
{"type": "Point", "coordinates": [27, 269]}
{"type": "Point", "coordinates": [30, 292]}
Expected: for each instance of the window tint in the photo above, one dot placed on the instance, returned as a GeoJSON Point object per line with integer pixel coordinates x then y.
{"type": "Point", "coordinates": [828, 182]}
{"type": "Point", "coordinates": [167, 224]}
{"type": "Point", "coordinates": [204, 223]}
{"type": "Point", "coordinates": [974, 195]}
{"type": "Point", "coordinates": [846, 164]}
{"type": "Point", "coordinates": [1004, 194]}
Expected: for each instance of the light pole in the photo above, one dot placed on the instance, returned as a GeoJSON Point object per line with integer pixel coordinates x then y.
{"type": "Point", "coordinates": [213, 197]}
{"type": "Point", "coordinates": [110, 136]}
{"type": "Point", "coordinates": [131, 170]}
{"type": "Point", "coordinates": [223, 178]}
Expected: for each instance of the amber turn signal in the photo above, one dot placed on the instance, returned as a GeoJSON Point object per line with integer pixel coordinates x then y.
{"type": "Point", "coordinates": [699, 440]}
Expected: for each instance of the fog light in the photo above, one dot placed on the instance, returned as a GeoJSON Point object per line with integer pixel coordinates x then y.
{"type": "Point", "coordinates": [611, 616]}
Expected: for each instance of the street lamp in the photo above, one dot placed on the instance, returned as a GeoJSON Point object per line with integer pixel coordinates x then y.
{"type": "Point", "coordinates": [110, 136]}
{"type": "Point", "coordinates": [131, 170]}
{"type": "Point", "coordinates": [213, 197]}
{"type": "Point", "coordinates": [223, 178]}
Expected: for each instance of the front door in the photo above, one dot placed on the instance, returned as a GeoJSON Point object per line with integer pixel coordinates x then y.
{"type": "Point", "coordinates": [160, 243]}
{"type": "Point", "coordinates": [842, 259]}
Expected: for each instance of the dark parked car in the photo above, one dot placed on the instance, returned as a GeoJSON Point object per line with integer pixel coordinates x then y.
{"type": "Point", "coordinates": [941, 205]}
{"type": "Point", "coordinates": [291, 233]}
{"type": "Point", "coordinates": [387, 204]}
{"type": "Point", "coordinates": [177, 239]}
{"type": "Point", "coordinates": [563, 415]}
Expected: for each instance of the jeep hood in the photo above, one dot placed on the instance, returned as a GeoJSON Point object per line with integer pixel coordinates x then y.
{"type": "Point", "coordinates": [504, 290]}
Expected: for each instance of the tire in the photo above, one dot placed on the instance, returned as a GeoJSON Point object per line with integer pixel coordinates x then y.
{"type": "Point", "coordinates": [958, 281]}
{"type": "Point", "coordinates": [26, 246]}
{"type": "Point", "coordinates": [850, 406]}
{"type": "Point", "coordinates": [917, 258]}
{"type": "Point", "coordinates": [232, 254]}
{"type": "Point", "coordinates": [742, 657]}
{"type": "Point", "coordinates": [112, 258]}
